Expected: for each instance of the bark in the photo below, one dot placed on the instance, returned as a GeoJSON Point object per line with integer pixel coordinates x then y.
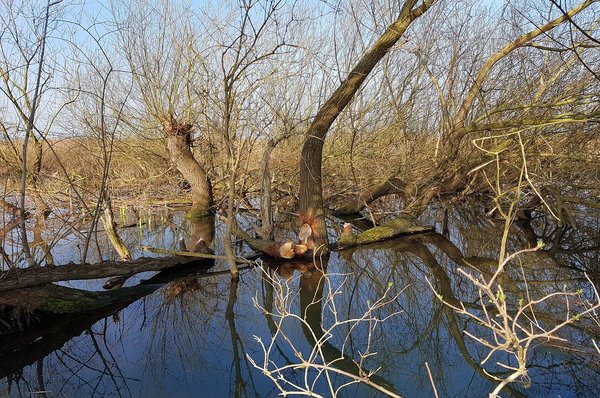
{"type": "Point", "coordinates": [284, 250]}
{"type": "Point", "coordinates": [61, 313]}
{"type": "Point", "coordinates": [203, 234]}
{"type": "Point", "coordinates": [193, 254]}
{"type": "Point", "coordinates": [24, 347]}
{"type": "Point", "coordinates": [178, 143]}
{"type": "Point", "coordinates": [311, 189]}
{"type": "Point", "coordinates": [37, 162]}
{"type": "Point", "coordinates": [388, 187]}
{"type": "Point", "coordinates": [20, 278]}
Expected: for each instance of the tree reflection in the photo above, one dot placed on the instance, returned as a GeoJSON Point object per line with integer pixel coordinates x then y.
{"type": "Point", "coordinates": [194, 334]}
{"type": "Point", "coordinates": [411, 261]}
{"type": "Point", "coordinates": [326, 362]}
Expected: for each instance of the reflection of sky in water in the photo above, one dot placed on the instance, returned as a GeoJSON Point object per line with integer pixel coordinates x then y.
{"type": "Point", "coordinates": [164, 346]}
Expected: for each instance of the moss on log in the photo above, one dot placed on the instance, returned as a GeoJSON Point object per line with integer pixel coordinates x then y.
{"type": "Point", "coordinates": [195, 214]}
{"type": "Point", "coordinates": [402, 225]}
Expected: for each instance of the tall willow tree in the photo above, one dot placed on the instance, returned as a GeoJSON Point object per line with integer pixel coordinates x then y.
{"type": "Point", "coordinates": [311, 183]}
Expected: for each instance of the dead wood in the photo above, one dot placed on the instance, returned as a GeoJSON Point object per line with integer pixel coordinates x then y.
{"type": "Point", "coordinates": [193, 254]}
{"type": "Point", "coordinates": [367, 196]}
{"type": "Point", "coordinates": [20, 278]}
{"type": "Point", "coordinates": [58, 313]}
{"type": "Point", "coordinates": [401, 225]}
{"type": "Point", "coordinates": [285, 250]}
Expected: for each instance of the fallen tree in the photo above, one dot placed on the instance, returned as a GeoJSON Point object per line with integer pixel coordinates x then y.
{"type": "Point", "coordinates": [390, 186]}
{"type": "Point", "coordinates": [36, 321]}
{"type": "Point", "coordinates": [20, 278]}
{"type": "Point", "coordinates": [402, 225]}
{"type": "Point", "coordinates": [284, 250]}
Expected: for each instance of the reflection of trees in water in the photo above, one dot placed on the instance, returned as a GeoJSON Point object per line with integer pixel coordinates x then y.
{"type": "Point", "coordinates": [188, 322]}
{"type": "Point", "coordinates": [243, 381]}
{"type": "Point", "coordinates": [408, 262]}
{"type": "Point", "coordinates": [90, 364]}
{"type": "Point", "coordinates": [84, 366]}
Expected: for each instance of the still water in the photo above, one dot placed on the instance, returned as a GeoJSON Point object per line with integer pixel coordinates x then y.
{"type": "Point", "coordinates": [199, 335]}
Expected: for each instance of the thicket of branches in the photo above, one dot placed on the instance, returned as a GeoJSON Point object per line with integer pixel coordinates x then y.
{"type": "Point", "coordinates": [249, 76]}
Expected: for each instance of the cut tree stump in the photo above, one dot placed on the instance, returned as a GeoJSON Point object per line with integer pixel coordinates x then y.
{"type": "Point", "coordinates": [286, 250]}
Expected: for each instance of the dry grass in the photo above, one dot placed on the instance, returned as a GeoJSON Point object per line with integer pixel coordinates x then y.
{"type": "Point", "coordinates": [141, 170]}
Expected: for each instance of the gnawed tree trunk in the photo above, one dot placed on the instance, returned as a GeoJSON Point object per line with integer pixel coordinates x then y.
{"type": "Point", "coordinates": [286, 250]}
{"type": "Point", "coordinates": [178, 135]}
{"type": "Point", "coordinates": [390, 186]}
{"type": "Point", "coordinates": [202, 234]}
{"type": "Point", "coordinates": [311, 188]}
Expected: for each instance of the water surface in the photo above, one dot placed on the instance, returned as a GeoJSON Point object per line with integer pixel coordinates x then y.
{"type": "Point", "coordinates": [192, 336]}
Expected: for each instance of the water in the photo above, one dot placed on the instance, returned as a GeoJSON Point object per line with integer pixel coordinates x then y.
{"type": "Point", "coordinates": [193, 336]}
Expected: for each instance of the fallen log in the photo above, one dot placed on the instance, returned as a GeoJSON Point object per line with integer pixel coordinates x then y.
{"type": "Point", "coordinates": [194, 254]}
{"type": "Point", "coordinates": [402, 225]}
{"type": "Point", "coordinates": [54, 314]}
{"type": "Point", "coordinates": [19, 278]}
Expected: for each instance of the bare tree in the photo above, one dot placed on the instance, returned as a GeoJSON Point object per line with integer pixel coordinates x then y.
{"type": "Point", "coordinates": [30, 49]}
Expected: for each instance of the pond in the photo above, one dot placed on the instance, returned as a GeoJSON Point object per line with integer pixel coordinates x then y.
{"type": "Point", "coordinates": [372, 309]}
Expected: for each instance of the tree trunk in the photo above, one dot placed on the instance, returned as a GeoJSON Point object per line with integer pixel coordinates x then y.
{"type": "Point", "coordinates": [311, 189]}
{"type": "Point", "coordinates": [266, 207]}
{"type": "Point", "coordinates": [286, 250]}
{"type": "Point", "coordinates": [59, 313]}
{"type": "Point", "coordinates": [178, 143]}
{"type": "Point", "coordinates": [110, 228]}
